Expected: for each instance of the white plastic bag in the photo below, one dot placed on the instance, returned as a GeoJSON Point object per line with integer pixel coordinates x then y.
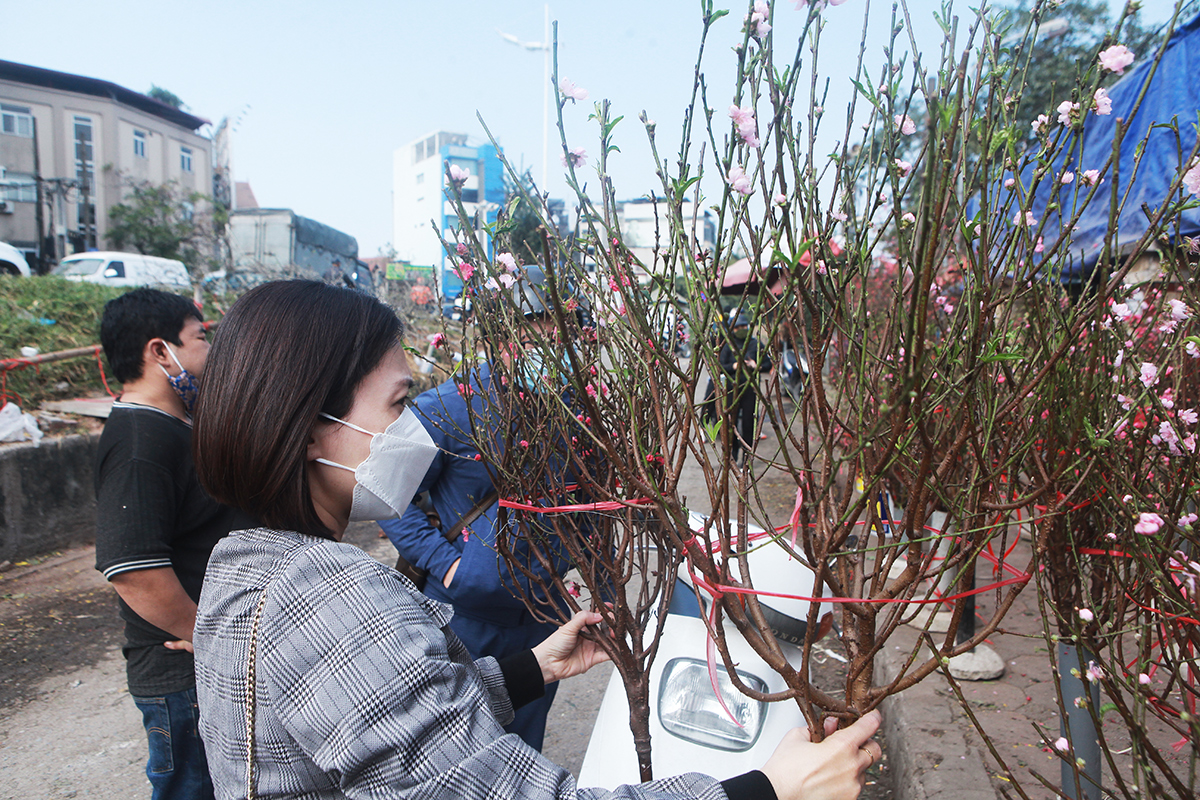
{"type": "Point", "coordinates": [18, 427]}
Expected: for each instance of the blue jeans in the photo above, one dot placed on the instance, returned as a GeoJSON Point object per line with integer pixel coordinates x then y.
{"type": "Point", "coordinates": [177, 767]}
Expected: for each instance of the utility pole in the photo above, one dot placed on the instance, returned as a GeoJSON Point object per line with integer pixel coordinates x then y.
{"type": "Point", "coordinates": [39, 219]}
{"type": "Point", "coordinates": [545, 47]}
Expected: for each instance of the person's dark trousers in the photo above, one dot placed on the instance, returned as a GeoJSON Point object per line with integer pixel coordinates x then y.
{"type": "Point", "coordinates": [708, 408]}
{"type": "Point", "coordinates": [743, 414]}
{"type": "Point", "coordinates": [488, 639]}
{"type": "Point", "coordinates": [177, 767]}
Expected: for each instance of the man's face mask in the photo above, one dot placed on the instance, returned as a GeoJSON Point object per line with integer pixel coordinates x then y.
{"type": "Point", "coordinates": [385, 483]}
{"type": "Point", "coordinates": [536, 374]}
{"type": "Point", "coordinates": [184, 384]}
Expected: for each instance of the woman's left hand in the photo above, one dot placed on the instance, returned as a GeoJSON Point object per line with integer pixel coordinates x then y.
{"type": "Point", "coordinates": [565, 653]}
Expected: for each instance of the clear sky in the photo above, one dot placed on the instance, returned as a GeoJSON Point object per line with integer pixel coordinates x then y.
{"type": "Point", "coordinates": [325, 92]}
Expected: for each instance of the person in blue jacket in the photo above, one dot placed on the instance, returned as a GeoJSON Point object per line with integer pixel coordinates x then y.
{"type": "Point", "coordinates": [467, 572]}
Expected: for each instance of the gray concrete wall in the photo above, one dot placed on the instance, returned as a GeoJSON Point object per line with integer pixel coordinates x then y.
{"type": "Point", "coordinates": [47, 499]}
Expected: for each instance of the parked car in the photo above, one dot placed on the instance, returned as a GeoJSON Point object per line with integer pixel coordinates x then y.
{"type": "Point", "coordinates": [124, 269]}
{"type": "Point", "coordinates": [12, 261]}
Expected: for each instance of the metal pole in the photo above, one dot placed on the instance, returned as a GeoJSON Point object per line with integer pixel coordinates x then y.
{"type": "Point", "coordinates": [1079, 727]}
{"type": "Point", "coordinates": [546, 98]}
{"type": "Point", "coordinates": [966, 623]}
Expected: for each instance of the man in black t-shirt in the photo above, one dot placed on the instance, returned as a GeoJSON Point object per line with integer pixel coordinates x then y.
{"type": "Point", "coordinates": [155, 525]}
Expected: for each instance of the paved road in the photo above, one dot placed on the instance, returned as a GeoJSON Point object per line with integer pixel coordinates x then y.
{"type": "Point", "coordinates": [67, 725]}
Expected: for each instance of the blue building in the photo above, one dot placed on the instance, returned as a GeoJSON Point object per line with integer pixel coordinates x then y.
{"type": "Point", "coordinates": [421, 200]}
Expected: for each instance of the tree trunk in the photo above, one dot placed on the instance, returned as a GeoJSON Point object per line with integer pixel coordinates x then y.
{"type": "Point", "coordinates": [638, 692]}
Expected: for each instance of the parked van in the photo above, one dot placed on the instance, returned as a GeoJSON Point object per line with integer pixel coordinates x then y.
{"type": "Point", "coordinates": [124, 269]}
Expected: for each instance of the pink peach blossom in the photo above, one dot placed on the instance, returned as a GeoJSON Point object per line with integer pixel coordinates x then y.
{"type": "Point", "coordinates": [1066, 111]}
{"type": "Point", "coordinates": [747, 127]}
{"type": "Point", "coordinates": [739, 181]}
{"type": "Point", "coordinates": [905, 124]}
{"type": "Point", "coordinates": [1191, 179]}
{"type": "Point", "coordinates": [1149, 375]}
{"type": "Point", "coordinates": [575, 157]}
{"type": "Point", "coordinates": [1148, 523]}
{"type": "Point", "coordinates": [571, 91]}
{"type": "Point", "coordinates": [1116, 58]}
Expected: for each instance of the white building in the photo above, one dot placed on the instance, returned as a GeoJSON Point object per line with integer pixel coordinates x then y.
{"type": "Point", "coordinates": [645, 226]}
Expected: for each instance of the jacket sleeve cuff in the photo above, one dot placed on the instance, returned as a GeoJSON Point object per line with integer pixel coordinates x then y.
{"type": "Point", "coordinates": [749, 785]}
{"type": "Point", "coordinates": [522, 677]}
{"type": "Point", "coordinates": [441, 557]}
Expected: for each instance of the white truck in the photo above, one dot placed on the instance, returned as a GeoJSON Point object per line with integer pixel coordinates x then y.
{"type": "Point", "coordinates": [279, 243]}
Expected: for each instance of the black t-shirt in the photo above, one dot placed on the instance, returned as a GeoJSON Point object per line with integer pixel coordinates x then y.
{"type": "Point", "coordinates": [151, 512]}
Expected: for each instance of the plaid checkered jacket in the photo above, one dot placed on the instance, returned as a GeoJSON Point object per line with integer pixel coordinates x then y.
{"type": "Point", "coordinates": [362, 690]}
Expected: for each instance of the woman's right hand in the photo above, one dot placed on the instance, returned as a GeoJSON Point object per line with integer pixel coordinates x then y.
{"type": "Point", "coordinates": [800, 769]}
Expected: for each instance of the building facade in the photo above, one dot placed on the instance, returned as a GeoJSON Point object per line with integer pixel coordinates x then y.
{"type": "Point", "coordinates": [70, 147]}
{"type": "Point", "coordinates": [645, 229]}
{"type": "Point", "coordinates": [419, 199]}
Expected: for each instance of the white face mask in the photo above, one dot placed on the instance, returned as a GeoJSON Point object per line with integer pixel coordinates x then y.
{"type": "Point", "coordinates": [384, 484]}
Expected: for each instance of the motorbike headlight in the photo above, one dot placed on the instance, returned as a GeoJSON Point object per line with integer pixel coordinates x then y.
{"type": "Point", "coordinates": [688, 708]}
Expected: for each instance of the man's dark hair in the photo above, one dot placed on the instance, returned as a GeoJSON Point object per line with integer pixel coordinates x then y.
{"type": "Point", "coordinates": [285, 352]}
{"type": "Point", "coordinates": [135, 318]}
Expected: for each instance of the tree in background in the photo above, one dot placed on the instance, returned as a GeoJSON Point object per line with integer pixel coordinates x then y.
{"type": "Point", "coordinates": [162, 220]}
{"type": "Point", "coordinates": [519, 225]}
{"type": "Point", "coordinates": [166, 96]}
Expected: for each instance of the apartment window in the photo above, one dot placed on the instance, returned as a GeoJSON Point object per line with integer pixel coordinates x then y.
{"type": "Point", "coordinates": [85, 234]}
{"type": "Point", "coordinates": [139, 144]}
{"type": "Point", "coordinates": [18, 188]}
{"type": "Point", "coordinates": [185, 159]}
{"type": "Point", "coordinates": [420, 178]}
{"type": "Point", "coordinates": [16, 120]}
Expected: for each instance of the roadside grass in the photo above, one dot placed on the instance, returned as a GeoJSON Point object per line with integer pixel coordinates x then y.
{"type": "Point", "coordinates": [51, 314]}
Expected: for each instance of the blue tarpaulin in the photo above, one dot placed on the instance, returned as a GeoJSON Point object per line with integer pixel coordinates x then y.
{"type": "Point", "coordinates": [1173, 96]}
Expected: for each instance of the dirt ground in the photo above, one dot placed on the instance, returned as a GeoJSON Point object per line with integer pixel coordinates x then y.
{"type": "Point", "coordinates": [67, 726]}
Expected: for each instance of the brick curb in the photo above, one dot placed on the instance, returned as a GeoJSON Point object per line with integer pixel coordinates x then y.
{"type": "Point", "coordinates": [929, 755]}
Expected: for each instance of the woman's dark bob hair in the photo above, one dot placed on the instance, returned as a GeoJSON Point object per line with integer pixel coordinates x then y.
{"type": "Point", "coordinates": [284, 353]}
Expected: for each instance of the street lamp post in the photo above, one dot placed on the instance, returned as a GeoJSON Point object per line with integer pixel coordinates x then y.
{"type": "Point", "coordinates": [544, 47]}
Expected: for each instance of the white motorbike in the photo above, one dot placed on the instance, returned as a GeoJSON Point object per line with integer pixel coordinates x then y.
{"type": "Point", "coordinates": [691, 727]}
